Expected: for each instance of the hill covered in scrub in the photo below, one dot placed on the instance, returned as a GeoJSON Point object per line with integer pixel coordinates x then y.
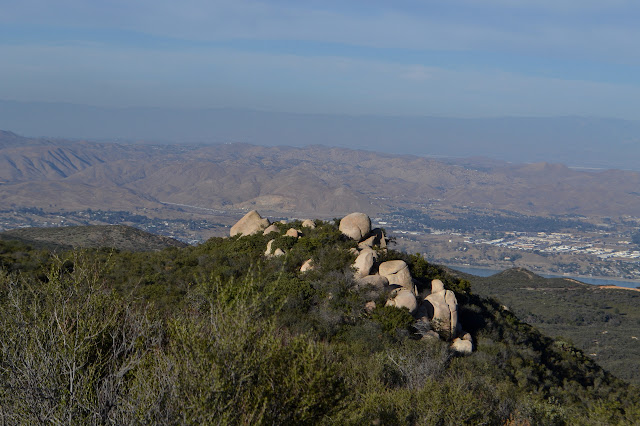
{"type": "Point", "coordinates": [226, 333]}
{"type": "Point", "coordinates": [119, 237]}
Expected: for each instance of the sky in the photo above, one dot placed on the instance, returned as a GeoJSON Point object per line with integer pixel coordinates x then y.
{"type": "Point", "coordinates": [456, 58]}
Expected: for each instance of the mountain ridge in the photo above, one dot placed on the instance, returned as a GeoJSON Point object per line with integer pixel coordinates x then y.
{"type": "Point", "coordinates": [577, 141]}
{"type": "Point", "coordinates": [324, 180]}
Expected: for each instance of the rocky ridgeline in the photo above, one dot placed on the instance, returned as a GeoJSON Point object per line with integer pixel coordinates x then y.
{"type": "Point", "coordinates": [436, 314]}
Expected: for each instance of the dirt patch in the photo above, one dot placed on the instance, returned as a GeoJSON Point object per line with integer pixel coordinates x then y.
{"type": "Point", "coordinates": [615, 287]}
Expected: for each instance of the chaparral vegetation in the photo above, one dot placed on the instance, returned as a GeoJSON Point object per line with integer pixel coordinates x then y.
{"type": "Point", "coordinates": [221, 334]}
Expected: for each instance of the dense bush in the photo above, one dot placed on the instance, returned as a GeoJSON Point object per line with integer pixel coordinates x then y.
{"type": "Point", "coordinates": [220, 334]}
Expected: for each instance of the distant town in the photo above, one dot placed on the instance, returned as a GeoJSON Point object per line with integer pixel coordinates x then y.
{"type": "Point", "coordinates": [602, 250]}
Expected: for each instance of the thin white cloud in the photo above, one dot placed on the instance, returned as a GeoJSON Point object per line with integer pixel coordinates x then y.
{"type": "Point", "coordinates": [569, 28]}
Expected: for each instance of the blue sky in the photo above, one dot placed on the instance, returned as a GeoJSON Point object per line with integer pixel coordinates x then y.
{"type": "Point", "coordinates": [459, 58]}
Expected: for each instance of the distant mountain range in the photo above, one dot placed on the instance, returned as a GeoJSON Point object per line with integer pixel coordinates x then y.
{"type": "Point", "coordinates": [75, 175]}
{"type": "Point", "coordinates": [575, 141]}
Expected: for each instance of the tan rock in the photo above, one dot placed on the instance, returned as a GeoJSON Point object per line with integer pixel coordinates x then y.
{"type": "Point", "coordinates": [392, 266]}
{"type": "Point", "coordinates": [370, 250]}
{"type": "Point", "coordinates": [397, 272]}
{"type": "Point", "coordinates": [369, 242]}
{"type": "Point", "coordinates": [293, 233]}
{"type": "Point", "coordinates": [269, 249]}
{"type": "Point", "coordinates": [271, 228]}
{"type": "Point", "coordinates": [404, 299]}
{"type": "Point", "coordinates": [462, 346]}
{"type": "Point", "coordinates": [377, 238]}
{"type": "Point", "coordinates": [250, 224]}
{"type": "Point", "coordinates": [307, 266]}
{"type": "Point", "coordinates": [308, 223]}
{"type": "Point", "coordinates": [278, 252]}
{"type": "Point", "coordinates": [355, 225]}
{"type": "Point", "coordinates": [442, 308]}
{"type": "Point", "coordinates": [370, 306]}
{"type": "Point", "coordinates": [363, 264]}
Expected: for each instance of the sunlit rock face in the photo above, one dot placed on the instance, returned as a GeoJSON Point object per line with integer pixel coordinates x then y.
{"type": "Point", "coordinates": [250, 224]}
{"type": "Point", "coordinates": [356, 226]}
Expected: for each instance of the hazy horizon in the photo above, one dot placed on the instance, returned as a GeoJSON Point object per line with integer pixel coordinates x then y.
{"type": "Point", "coordinates": [518, 81]}
{"type": "Point", "coordinates": [574, 141]}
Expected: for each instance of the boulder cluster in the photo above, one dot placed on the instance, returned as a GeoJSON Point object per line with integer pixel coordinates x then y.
{"type": "Point", "coordinates": [436, 314]}
{"type": "Point", "coordinates": [252, 223]}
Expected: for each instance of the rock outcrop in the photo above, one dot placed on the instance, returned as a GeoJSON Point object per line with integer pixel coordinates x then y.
{"type": "Point", "coordinates": [377, 238]}
{"type": "Point", "coordinates": [364, 263]}
{"type": "Point", "coordinates": [355, 226]}
{"type": "Point", "coordinates": [307, 266]}
{"type": "Point", "coordinates": [462, 346]}
{"type": "Point", "coordinates": [269, 229]}
{"type": "Point", "coordinates": [397, 272]}
{"type": "Point", "coordinates": [404, 299]}
{"type": "Point", "coordinates": [293, 233]}
{"type": "Point", "coordinates": [269, 249]}
{"type": "Point", "coordinates": [250, 224]}
{"type": "Point", "coordinates": [442, 310]}
{"type": "Point", "coordinates": [436, 314]}
{"type": "Point", "coordinates": [308, 223]}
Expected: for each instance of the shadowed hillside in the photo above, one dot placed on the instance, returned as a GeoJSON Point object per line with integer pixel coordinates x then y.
{"type": "Point", "coordinates": [603, 322]}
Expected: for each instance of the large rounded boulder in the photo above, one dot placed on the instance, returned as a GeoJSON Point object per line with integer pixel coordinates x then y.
{"type": "Point", "coordinates": [355, 226]}
{"type": "Point", "coordinates": [397, 272]}
{"type": "Point", "coordinates": [293, 233]}
{"type": "Point", "coordinates": [462, 346]}
{"type": "Point", "coordinates": [404, 299]}
{"type": "Point", "coordinates": [250, 224]}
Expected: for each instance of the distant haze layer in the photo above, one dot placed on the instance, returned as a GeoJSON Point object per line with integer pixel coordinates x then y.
{"type": "Point", "coordinates": [575, 141]}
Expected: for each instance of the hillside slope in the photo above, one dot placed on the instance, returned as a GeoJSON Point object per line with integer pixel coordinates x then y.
{"type": "Point", "coordinates": [603, 322]}
{"type": "Point", "coordinates": [222, 333]}
{"type": "Point", "coordinates": [120, 237]}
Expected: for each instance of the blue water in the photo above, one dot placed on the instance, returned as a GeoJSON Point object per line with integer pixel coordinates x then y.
{"type": "Point", "coordinates": [483, 272]}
